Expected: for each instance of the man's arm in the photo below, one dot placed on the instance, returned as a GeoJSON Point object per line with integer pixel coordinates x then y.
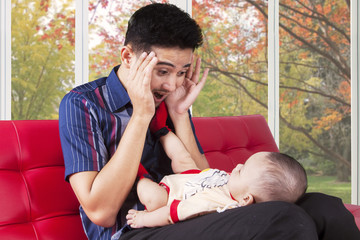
{"type": "Point", "coordinates": [178, 104]}
{"type": "Point", "coordinates": [101, 194]}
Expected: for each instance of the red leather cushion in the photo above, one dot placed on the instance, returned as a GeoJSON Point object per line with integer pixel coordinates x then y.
{"type": "Point", "coordinates": [355, 210]}
{"type": "Point", "coordinates": [35, 202]}
{"type": "Point", "coordinates": [14, 201]}
{"type": "Point", "coordinates": [230, 140]}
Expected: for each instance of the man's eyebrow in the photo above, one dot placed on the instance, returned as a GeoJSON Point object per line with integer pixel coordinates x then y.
{"type": "Point", "coordinates": [172, 65]}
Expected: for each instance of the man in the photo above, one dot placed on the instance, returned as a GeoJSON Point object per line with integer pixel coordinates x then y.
{"type": "Point", "coordinates": [107, 144]}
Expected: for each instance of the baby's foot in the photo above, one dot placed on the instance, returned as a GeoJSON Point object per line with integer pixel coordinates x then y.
{"type": "Point", "coordinates": [135, 218]}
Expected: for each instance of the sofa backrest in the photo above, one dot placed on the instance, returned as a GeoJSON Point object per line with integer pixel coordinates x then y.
{"type": "Point", "coordinates": [35, 201]}
{"type": "Point", "coordinates": [228, 141]}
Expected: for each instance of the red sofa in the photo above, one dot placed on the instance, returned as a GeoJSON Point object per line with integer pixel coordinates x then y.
{"type": "Point", "coordinates": [36, 202]}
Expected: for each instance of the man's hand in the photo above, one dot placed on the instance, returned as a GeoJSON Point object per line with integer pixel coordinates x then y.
{"type": "Point", "coordinates": [183, 97]}
{"type": "Point", "coordinates": [138, 84]}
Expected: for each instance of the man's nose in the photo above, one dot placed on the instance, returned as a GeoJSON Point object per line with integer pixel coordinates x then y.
{"type": "Point", "coordinates": [170, 84]}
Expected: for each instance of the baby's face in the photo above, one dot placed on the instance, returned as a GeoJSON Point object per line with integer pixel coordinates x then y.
{"type": "Point", "coordinates": [244, 175]}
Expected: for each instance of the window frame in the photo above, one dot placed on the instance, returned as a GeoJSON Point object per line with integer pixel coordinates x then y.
{"type": "Point", "coordinates": [5, 60]}
{"type": "Point", "coordinates": [81, 42]}
{"type": "Point", "coordinates": [355, 101]}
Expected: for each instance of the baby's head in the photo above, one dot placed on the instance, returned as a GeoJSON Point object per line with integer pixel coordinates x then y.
{"type": "Point", "coordinates": [268, 176]}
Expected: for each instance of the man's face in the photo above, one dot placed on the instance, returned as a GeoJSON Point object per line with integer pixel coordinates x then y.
{"type": "Point", "coordinates": [169, 73]}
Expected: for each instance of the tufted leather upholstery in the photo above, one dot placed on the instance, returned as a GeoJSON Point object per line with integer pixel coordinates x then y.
{"type": "Point", "coordinates": [36, 202]}
{"type": "Point", "coordinates": [245, 135]}
{"type": "Point", "coordinates": [355, 210]}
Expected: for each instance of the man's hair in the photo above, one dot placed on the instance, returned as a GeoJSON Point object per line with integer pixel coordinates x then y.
{"type": "Point", "coordinates": [283, 179]}
{"type": "Point", "coordinates": [162, 25]}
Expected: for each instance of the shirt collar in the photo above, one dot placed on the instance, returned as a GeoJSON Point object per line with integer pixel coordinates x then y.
{"type": "Point", "coordinates": [118, 96]}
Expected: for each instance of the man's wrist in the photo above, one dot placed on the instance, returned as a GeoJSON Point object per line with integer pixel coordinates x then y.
{"type": "Point", "coordinates": [142, 119]}
{"type": "Point", "coordinates": [178, 117]}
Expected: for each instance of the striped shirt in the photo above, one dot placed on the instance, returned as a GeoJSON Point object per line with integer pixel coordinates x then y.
{"type": "Point", "coordinates": [92, 119]}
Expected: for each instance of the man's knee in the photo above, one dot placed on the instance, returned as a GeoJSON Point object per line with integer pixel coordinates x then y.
{"type": "Point", "coordinates": [332, 219]}
{"type": "Point", "coordinates": [277, 220]}
{"type": "Point", "coordinates": [271, 220]}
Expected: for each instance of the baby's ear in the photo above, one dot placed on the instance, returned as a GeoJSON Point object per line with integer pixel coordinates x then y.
{"type": "Point", "coordinates": [247, 199]}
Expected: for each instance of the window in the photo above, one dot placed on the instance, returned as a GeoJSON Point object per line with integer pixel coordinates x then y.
{"type": "Point", "coordinates": [107, 28]}
{"type": "Point", "coordinates": [42, 56]}
{"type": "Point", "coordinates": [313, 78]}
{"type": "Point", "coordinates": [235, 47]}
{"type": "Point", "coordinates": [315, 99]}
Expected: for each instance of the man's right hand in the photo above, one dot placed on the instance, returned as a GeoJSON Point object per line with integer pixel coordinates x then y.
{"type": "Point", "coordinates": [138, 84]}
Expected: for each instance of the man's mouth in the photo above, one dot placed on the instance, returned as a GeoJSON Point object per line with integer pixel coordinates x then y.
{"type": "Point", "coordinates": [159, 95]}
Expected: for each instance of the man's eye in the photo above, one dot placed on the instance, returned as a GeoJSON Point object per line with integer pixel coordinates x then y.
{"type": "Point", "coordinates": [181, 73]}
{"type": "Point", "coordinates": [162, 72]}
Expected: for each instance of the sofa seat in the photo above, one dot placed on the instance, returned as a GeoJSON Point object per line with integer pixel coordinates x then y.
{"type": "Point", "coordinates": [37, 203]}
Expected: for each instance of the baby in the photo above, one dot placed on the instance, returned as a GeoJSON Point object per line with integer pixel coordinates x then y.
{"type": "Point", "coordinates": [265, 176]}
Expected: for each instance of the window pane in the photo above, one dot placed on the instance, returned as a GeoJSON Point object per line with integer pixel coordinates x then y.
{"type": "Point", "coordinates": [42, 51]}
{"type": "Point", "coordinates": [107, 28]}
{"type": "Point", "coordinates": [235, 51]}
{"type": "Point", "coordinates": [315, 91]}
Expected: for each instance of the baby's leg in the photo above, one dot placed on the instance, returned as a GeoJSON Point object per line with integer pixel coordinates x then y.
{"type": "Point", "coordinates": [151, 195]}
{"type": "Point", "coordinates": [180, 158]}
{"type": "Point", "coordinates": [157, 218]}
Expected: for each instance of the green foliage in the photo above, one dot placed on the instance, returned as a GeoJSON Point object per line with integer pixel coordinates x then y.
{"type": "Point", "coordinates": [314, 73]}
{"type": "Point", "coordinates": [42, 58]}
{"type": "Point", "coordinates": [107, 31]}
{"type": "Point", "coordinates": [234, 53]}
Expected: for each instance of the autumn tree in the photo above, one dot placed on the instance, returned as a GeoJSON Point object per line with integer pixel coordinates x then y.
{"type": "Point", "coordinates": [107, 28]}
{"type": "Point", "coordinates": [315, 66]}
{"type": "Point", "coordinates": [235, 50]}
{"type": "Point", "coordinates": [314, 71]}
{"type": "Point", "coordinates": [42, 57]}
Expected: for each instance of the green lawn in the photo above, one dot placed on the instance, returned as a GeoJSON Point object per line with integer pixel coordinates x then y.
{"type": "Point", "coordinates": [330, 186]}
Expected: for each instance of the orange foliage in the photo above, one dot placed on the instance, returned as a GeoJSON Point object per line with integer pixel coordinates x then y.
{"type": "Point", "coordinates": [44, 5]}
{"type": "Point", "coordinates": [60, 27]}
{"type": "Point", "coordinates": [345, 90]}
{"type": "Point", "coordinates": [310, 21]}
{"type": "Point", "coordinates": [326, 122]}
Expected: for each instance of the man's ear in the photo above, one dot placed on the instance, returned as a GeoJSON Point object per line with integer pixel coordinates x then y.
{"type": "Point", "coordinates": [127, 55]}
{"type": "Point", "coordinates": [247, 199]}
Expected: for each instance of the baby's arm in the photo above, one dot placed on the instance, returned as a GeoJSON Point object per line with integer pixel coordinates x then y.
{"type": "Point", "coordinates": [140, 219]}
